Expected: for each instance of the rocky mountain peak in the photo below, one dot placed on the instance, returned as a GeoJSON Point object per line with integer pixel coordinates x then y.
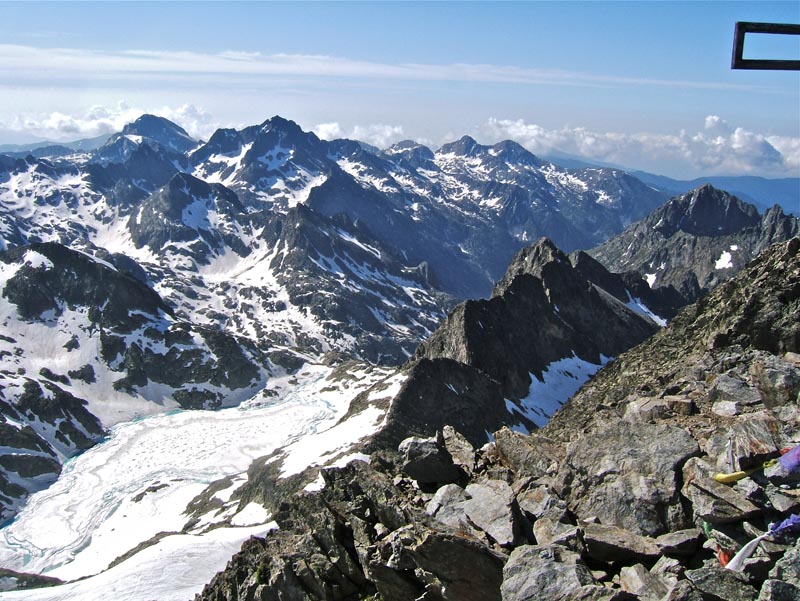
{"type": "Point", "coordinates": [465, 146]}
{"type": "Point", "coordinates": [161, 130]}
{"type": "Point", "coordinates": [705, 211]}
{"type": "Point", "coordinates": [282, 125]}
{"type": "Point", "coordinates": [531, 260]}
{"type": "Point", "coordinates": [542, 312]}
{"type": "Point", "coordinates": [515, 152]}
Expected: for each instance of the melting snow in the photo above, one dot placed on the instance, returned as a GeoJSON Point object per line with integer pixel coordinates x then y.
{"type": "Point", "coordinates": [651, 279]}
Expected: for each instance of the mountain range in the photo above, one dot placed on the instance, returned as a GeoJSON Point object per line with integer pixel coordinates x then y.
{"type": "Point", "coordinates": [158, 273]}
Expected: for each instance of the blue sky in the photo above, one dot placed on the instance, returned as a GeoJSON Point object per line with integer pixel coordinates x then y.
{"type": "Point", "coordinates": [642, 84]}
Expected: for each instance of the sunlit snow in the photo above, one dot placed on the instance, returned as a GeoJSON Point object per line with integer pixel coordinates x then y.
{"type": "Point", "coordinates": [559, 382]}
{"type": "Point", "coordinates": [724, 261]}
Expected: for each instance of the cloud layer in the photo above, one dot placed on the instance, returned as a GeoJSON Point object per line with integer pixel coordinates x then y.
{"type": "Point", "coordinates": [377, 134]}
{"type": "Point", "coordinates": [28, 63]}
{"type": "Point", "coordinates": [717, 148]}
{"type": "Point", "coordinates": [99, 120]}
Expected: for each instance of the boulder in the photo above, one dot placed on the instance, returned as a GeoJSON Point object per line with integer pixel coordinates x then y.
{"type": "Point", "coordinates": [733, 389]}
{"type": "Point", "coordinates": [609, 543]}
{"type": "Point", "coordinates": [413, 561]}
{"type": "Point", "coordinates": [753, 441]}
{"type": "Point", "coordinates": [777, 378]}
{"type": "Point", "coordinates": [536, 501]}
{"type": "Point", "coordinates": [712, 501]}
{"type": "Point", "coordinates": [639, 581]}
{"type": "Point", "coordinates": [552, 532]}
{"type": "Point", "coordinates": [682, 543]}
{"type": "Point", "coordinates": [535, 572]}
{"type": "Point", "coordinates": [460, 449]}
{"type": "Point", "coordinates": [447, 506]}
{"type": "Point", "coordinates": [649, 409]}
{"type": "Point", "coordinates": [492, 508]}
{"type": "Point", "coordinates": [778, 590]}
{"type": "Point", "coordinates": [427, 461]}
{"type": "Point", "coordinates": [683, 591]}
{"type": "Point", "coordinates": [528, 455]}
{"type": "Point", "coordinates": [719, 584]}
{"type": "Point", "coordinates": [626, 475]}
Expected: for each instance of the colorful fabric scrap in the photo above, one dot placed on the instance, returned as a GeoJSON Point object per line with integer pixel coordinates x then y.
{"type": "Point", "coordinates": [787, 526]}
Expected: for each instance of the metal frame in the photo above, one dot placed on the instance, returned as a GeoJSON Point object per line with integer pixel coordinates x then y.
{"type": "Point", "coordinates": [743, 27]}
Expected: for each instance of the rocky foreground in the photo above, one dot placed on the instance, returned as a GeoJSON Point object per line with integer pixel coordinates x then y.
{"type": "Point", "coordinates": [614, 499]}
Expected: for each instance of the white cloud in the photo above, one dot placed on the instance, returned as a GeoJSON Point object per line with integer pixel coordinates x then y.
{"type": "Point", "coordinates": [98, 120]}
{"type": "Point", "coordinates": [718, 148]}
{"type": "Point", "coordinates": [328, 131]}
{"type": "Point", "coordinates": [37, 65]}
{"type": "Point", "coordinates": [377, 134]}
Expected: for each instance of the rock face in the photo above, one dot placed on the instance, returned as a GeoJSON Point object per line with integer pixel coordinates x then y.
{"type": "Point", "coordinates": [695, 241]}
{"type": "Point", "coordinates": [548, 308]}
{"type": "Point", "coordinates": [602, 503]}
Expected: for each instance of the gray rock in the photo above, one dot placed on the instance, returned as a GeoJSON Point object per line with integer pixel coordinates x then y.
{"type": "Point", "coordinates": [653, 409]}
{"type": "Point", "coordinates": [447, 506]}
{"type": "Point", "coordinates": [427, 461]}
{"type": "Point", "coordinates": [778, 379]}
{"type": "Point", "coordinates": [684, 591]}
{"type": "Point", "coordinates": [787, 568]}
{"type": "Point", "coordinates": [626, 475]}
{"type": "Point", "coordinates": [528, 455]}
{"type": "Point", "coordinates": [732, 389]}
{"type": "Point", "coordinates": [778, 590]}
{"type": "Point", "coordinates": [492, 508]}
{"type": "Point", "coordinates": [535, 572]}
{"type": "Point", "coordinates": [536, 501]}
{"type": "Point", "coordinates": [638, 580]}
{"type": "Point", "coordinates": [609, 543]}
{"type": "Point", "coordinates": [712, 501]}
{"type": "Point", "coordinates": [681, 543]}
{"type": "Point", "coordinates": [753, 441]}
{"type": "Point", "coordinates": [460, 449]}
{"type": "Point", "coordinates": [551, 532]}
{"type": "Point", "coordinates": [669, 569]}
{"type": "Point", "coordinates": [719, 584]}
{"type": "Point", "coordinates": [464, 570]}
{"type": "Point", "coordinates": [597, 592]}
{"type": "Point", "coordinates": [726, 408]}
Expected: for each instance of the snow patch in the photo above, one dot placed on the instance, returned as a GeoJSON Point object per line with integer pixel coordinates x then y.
{"type": "Point", "coordinates": [560, 380]}
{"type": "Point", "coordinates": [724, 261]}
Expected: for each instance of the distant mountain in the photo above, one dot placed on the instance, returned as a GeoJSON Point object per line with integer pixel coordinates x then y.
{"type": "Point", "coordinates": [762, 192]}
{"type": "Point", "coordinates": [696, 241]}
{"type": "Point", "coordinates": [45, 148]}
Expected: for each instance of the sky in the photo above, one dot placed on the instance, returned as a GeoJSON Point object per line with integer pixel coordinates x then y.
{"type": "Point", "coordinates": [644, 85]}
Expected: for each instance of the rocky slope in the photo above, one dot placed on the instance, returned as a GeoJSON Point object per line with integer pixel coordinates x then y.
{"type": "Point", "coordinates": [695, 241]}
{"type": "Point", "coordinates": [613, 499]}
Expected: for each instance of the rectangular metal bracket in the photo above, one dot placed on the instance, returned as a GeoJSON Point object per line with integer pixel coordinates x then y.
{"type": "Point", "coordinates": [743, 27]}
